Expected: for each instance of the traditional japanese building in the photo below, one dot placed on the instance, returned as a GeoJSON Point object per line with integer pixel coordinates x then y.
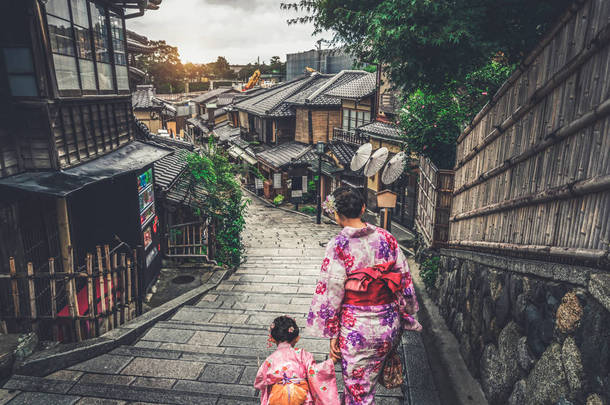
{"type": "Point", "coordinates": [72, 172]}
{"type": "Point", "coordinates": [152, 111]}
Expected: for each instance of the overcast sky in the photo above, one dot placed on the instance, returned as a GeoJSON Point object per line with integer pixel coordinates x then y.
{"type": "Point", "coordinates": [239, 30]}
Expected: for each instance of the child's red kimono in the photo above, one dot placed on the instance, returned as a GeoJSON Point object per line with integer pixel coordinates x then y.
{"type": "Point", "coordinates": [288, 365]}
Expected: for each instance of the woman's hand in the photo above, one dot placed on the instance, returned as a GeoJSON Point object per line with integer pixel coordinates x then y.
{"type": "Point", "coordinates": [335, 350]}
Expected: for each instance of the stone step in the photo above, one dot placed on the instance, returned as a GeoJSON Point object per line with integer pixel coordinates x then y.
{"type": "Point", "coordinates": [158, 391]}
{"type": "Point", "coordinates": [244, 317]}
{"type": "Point", "coordinates": [217, 338]}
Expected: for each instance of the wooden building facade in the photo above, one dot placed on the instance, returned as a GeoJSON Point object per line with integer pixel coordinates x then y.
{"type": "Point", "coordinates": [72, 174]}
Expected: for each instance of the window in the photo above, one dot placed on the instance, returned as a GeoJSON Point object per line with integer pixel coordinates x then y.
{"type": "Point", "coordinates": [345, 119]}
{"type": "Point", "coordinates": [352, 120]}
{"type": "Point", "coordinates": [120, 56]}
{"type": "Point", "coordinates": [80, 32]}
{"type": "Point", "coordinates": [84, 48]}
{"type": "Point", "coordinates": [20, 69]}
{"type": "Point", "coordinates": [102, 47]}
{"type": "Point", "coordinates": [62, 45]}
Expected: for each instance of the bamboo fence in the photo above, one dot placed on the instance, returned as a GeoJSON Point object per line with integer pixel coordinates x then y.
{"type": "Point", "coordinates": [533, 169]}
{"type": "Point", "coordinates": [77, 304]}
{"type": "Point", "coordinates": [434, 196]}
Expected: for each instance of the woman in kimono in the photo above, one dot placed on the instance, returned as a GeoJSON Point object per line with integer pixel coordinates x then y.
{"type": "Point", "coordinates": [364, 297]}
{"type": "Point", "coordinates": [290, 376]}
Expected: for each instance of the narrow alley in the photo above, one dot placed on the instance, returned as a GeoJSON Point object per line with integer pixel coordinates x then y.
{"type": "Point", "coordinates": [207, 353]}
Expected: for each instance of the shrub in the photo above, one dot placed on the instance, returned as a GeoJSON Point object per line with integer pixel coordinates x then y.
{"type": "Point", "coordinates": [278, 200]}
{"type": "Point", "coordinates": [308, 210]}
{"type": "Point", "coordinates": [429, 271]}
{"type": "Point", "coordinates": [223, 202]}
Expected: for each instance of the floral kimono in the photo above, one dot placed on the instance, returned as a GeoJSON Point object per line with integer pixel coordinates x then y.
{"type": "Point", "coordinates": [368, 323]}
{"type": "Point", "coordinates": [289, 365]}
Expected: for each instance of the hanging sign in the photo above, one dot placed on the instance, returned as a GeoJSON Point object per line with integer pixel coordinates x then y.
{"type": "Point", "coordinates": [145, 180]}
{"type": "Point", "coordinates": [147, 215]}
{"type": "Point", "coordinates": [297, 193]}
{"type": "Point", "coordinates": [258, 183]}
{"type": "Point", "coordinates": [305, 184]}
{"type": "Point", "coordinates": [146, 198]}
{"type": "Point", "coordinates": [277, 180]}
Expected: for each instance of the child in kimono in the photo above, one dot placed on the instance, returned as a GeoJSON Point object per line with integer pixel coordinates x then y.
{"type": "Point", "coordinates": [290, 376]}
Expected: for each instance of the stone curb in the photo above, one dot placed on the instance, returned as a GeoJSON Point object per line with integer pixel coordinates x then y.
{"type": "Point", "coordinates": [46, 362]}
{"type": "Point", "coordinates": [467, 390]}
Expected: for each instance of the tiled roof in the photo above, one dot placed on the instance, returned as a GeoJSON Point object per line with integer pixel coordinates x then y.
{"type": "Point", "coordinates": [379, 129]}
{"type": "Point", "coordinates": [301, 96]}
{"type": "Point", "coordinates": [282, 154]}
{"type": "Point", "coordinates": [325, 92]}
{"type": "Point", "coordinates": [361, 87]}
{"type": "Point", "coordinates": [144, 99]}
{"type": "Point", "coordinates": [343, 152]}
{"type": "Point", "coordinates": [202, 98]}
{"type": "Point", "coordinates": [198, 122]}
{"type": "Point", "coordinates": [309, 157]}
{"type": "Point", "coordinates": [217, 113]}
{"type": "Point", "coordinates": [187, 191]}
{"type": "Point", "coordinates": [272, 102]}
{"type": "Point", "coordinates": [225, 131]}
{"type": "Point", "coordinates": [170, 167]}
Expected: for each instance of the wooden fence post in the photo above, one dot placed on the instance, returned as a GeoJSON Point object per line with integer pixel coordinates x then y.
{"type": "Point", "coordinates": [53, 291]}
{"type": "Point", "coordinates": [136, 282]}
{"type": "Point", "coordinates": [15, 288]}
{"type": "Point", "coordinates": [93, 329]}
{"type": "Point", "coordinates": [124, 309]}
{"type": "Point", "coordinates": [32, 298]}
{"type": "Point", "coordinates": [71, 292]}
{"type": "Point", "coordinates": [100, 269]}
{"type": "Point", "coordinates": [115, 289]}
{"type": "Point", "coordinates": [109, 287]}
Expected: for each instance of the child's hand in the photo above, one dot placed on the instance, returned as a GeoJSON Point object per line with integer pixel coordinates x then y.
{"type": "Point", "coordinates": [335, 350]}
{"type": "Point", "coordinates": [334, 358]}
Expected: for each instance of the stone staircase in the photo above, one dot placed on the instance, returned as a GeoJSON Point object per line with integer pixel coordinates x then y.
{"type": "Point", "coordinates": [207, 353]}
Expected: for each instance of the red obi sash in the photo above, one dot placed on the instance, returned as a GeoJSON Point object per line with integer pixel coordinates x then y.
{"type": "Point", "coordinates": [375, 285]}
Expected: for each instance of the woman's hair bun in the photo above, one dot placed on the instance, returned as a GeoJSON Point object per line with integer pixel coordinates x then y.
{"type": "Point", "coordinates": [348, 202]}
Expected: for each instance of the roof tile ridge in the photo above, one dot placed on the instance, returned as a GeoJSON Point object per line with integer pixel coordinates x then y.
{"type": "Point", "coordinates": [329, 83]}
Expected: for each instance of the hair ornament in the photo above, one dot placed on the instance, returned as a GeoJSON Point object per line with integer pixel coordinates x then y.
{"type": "Point", "coordinates": [291, 329]}
{"type": "Point", "coordinates": [329, 205]}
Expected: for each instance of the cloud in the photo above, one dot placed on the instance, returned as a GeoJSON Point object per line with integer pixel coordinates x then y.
{"type": "Point", "coordinates": [240, 30]}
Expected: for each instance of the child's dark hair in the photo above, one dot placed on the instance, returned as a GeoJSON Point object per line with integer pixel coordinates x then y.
{"type": "Point", "coordinates": [348, 202]}
{"type": "Point", "coordinates": [284, 329]}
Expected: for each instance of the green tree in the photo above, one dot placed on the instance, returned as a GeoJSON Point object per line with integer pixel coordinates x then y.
{"type": "Point", "coordinates": [424, 42]}
{"type": "Point", "coordinates": [448, 57]}
{"type": "Point", "coordinates": [221, 69]}
{"type": "Point", "coordinates": [163, 67]}
{"type": "Point", "coordinates": [223, 202]}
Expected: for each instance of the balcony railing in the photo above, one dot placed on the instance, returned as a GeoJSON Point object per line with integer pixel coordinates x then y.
{"type": "Point", "coordinates": [347, 136]}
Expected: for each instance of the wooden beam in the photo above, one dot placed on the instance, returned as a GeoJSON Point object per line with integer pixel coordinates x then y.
{"type": "Point", "coordinates": [63, 223]}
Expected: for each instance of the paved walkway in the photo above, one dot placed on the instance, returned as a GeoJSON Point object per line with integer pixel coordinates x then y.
{"type": "Point", "coordinates": [209, 353]}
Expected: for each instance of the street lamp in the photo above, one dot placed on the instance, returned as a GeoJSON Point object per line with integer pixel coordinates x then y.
{"type": "Point", "coordinates": [319, 151]}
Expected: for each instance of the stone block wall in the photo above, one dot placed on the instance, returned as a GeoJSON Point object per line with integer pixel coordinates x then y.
{"type": "Point", "coordinates": [531, 332]}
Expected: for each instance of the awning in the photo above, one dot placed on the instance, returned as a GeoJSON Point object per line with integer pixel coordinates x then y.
{"type": "Point", "coordinates": [129, 158]}
{"type": "Point", "coordinates": [238, 153]}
